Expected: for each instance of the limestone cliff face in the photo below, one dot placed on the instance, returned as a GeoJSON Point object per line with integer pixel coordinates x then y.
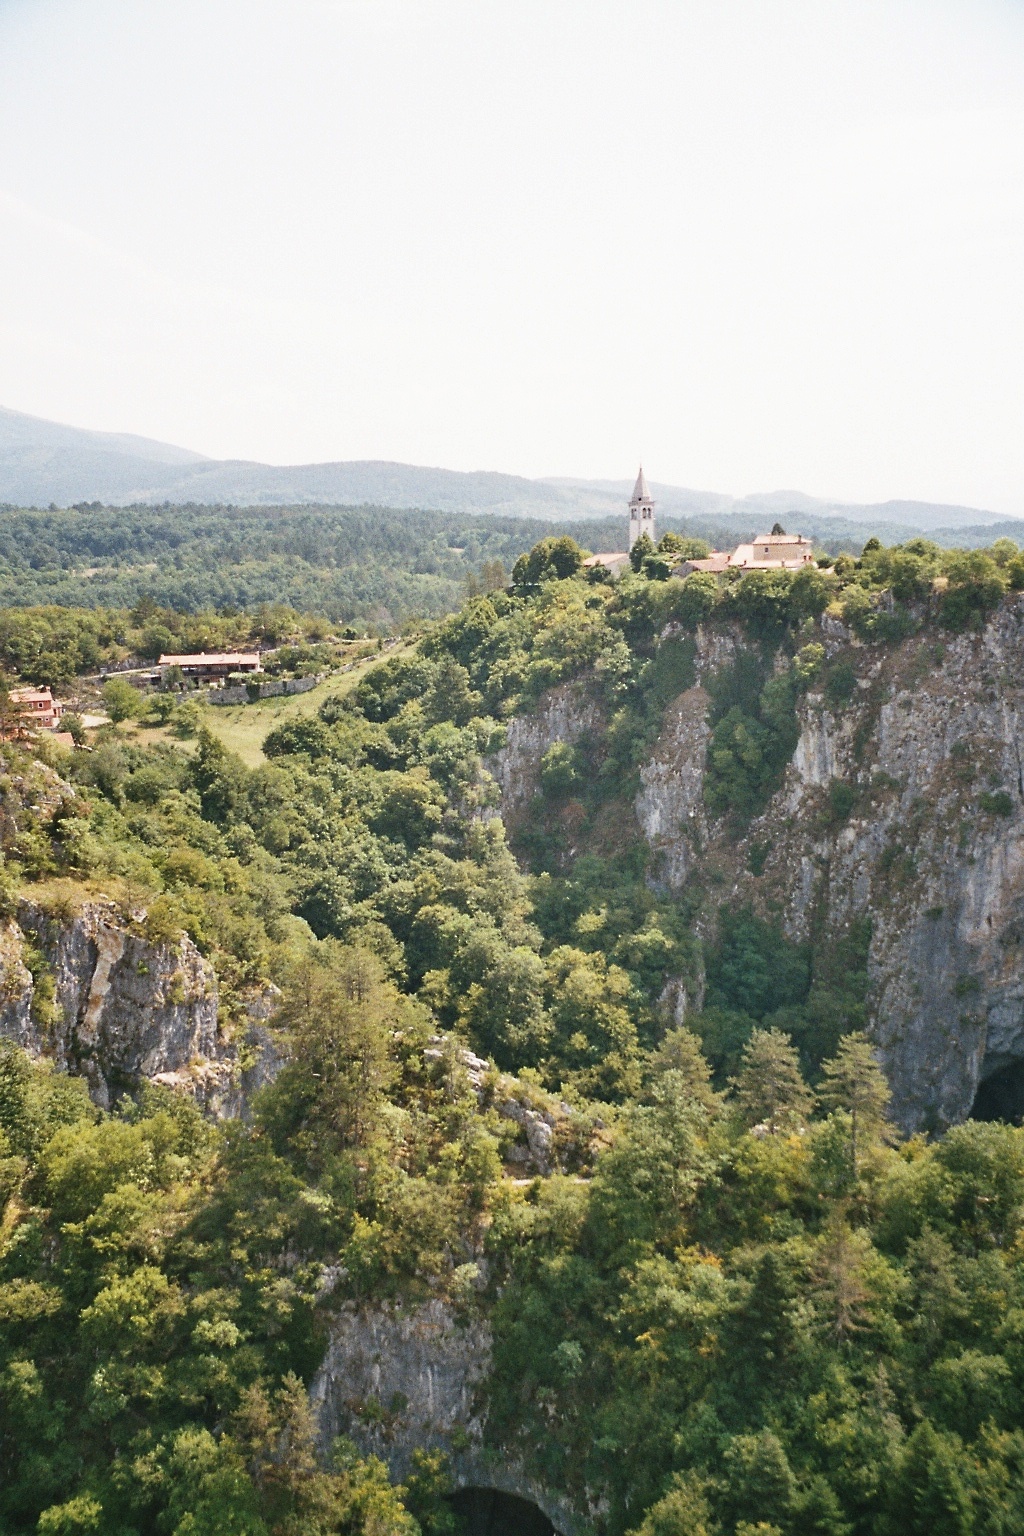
{"type": "Point", "coordinates": [395, 1379]}
{"type": "Point", "coordinates": [122, 1009]}
{"type": "Point", "coordinates": [931, 744]}
{"type": "Point", "coordinates": [566, 713]}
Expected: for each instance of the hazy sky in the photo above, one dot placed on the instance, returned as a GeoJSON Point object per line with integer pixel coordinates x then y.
{"type": "Point", "coordinates": [761, 245]}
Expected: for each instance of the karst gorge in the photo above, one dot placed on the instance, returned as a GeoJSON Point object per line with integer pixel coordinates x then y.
{"type": "Point", "coordinates": [571, 1082]}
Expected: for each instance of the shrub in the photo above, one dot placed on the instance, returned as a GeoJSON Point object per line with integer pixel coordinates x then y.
{"type": "Point", "coordinates": [552, 560]}
{"type": "Point", "coordinates": [754, 736]}
{"type": "Point", "coordinates": [121, 700]}
{"type": "Point", "coordinates": [561, 770]}
{"type": "Point", "coordinates": [975, 586]}
{"type": "Point", "coordinates": [689, 549]}
{"type": "Point", "coordinates": [642, 550]}
{"type": "Point", "coordinates": [163, 922]}
{"type": "Point", "coordinates": [807, 663]}
{"type": "Point", "coordinates": [840, 685]}
{"type": "Point", "coordinates": [841, 798]}
{"type": "Point", "coordinates": [697, 596]}
{"type": "Point", "coordinates": [762, 601]}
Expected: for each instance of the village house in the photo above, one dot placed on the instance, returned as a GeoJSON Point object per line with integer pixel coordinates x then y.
{"type": "Point", "coordinates": [768, 552]}
{"type": "Point", "coordinates": [614, 564]}
{"type": "Point", "coordinates": [212, 666]}
{"type": "Point", "coordinates": [38, 708]}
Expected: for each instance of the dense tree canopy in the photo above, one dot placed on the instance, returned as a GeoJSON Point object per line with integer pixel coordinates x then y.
{"type": "Point", "coordinates": [738, 1303]}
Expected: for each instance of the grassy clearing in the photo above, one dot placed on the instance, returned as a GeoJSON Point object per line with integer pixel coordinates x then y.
{"type": "Point", "coordinates": [243, 727]}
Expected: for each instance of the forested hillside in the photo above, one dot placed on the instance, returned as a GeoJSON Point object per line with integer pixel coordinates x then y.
{"type": "Point", "coordinates": [365, 564]}
{"type": "Point", "coordinates": [725, 1293]}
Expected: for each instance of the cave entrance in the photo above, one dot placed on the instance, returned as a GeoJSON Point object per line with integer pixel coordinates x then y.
{"type": "Point", "coordinates": [489, 1512]}
{"type": "Point", "coordinates": [1001, 1095]}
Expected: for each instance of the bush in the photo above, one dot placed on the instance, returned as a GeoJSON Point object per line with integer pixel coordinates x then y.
{"type": "Point", "coordinates": [840, 685]}
{"type": "Point", "coordinates": [754, 736]}
{"type": "Point", "coordinates": [187, 719]}
{"type": "Point", "coordinates": [550, 560]}
{"type": "Point", "coordinates": [561, 770]}
{"type": "Point", "coordinates": [641, 552]}
{"type": "Point", "coordinates": [976, 585]}
{"type": "Point", "coordinates": [164, 923]}
{"type": "Point", "coordinates": [841, 799]}
{"type": "Point", "coordinates": [761, 600]}
{"type": "Point", "coordinates": [121, 700]}
{"type": "Point", "coordinates": [697, 596]}
{"type": "Point", "coordinates": [72, 723]}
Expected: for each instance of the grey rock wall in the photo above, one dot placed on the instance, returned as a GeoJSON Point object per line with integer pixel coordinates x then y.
{"type": "Point", "coordinates": [395, 1379]}
{"type": "Point", "coordinates": [929, 732]}
{"type": "Point", "coordinates": [125, 1009]}
{"type": "Point", "coordinates": [566, 713]}
{"type": "Point", "coordinates": [935, 724]}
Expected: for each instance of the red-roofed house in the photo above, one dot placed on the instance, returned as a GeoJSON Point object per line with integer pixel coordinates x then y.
{"type": "Point", "coordinates": [210, 665]}
{"type": "Point", "coordinates": [768, 552]}
{"type": "Point", "coordinates": [37, 707]}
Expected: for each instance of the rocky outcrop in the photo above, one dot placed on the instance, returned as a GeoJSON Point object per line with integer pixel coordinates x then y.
{"type": "Point", "coordinates": [400, 1378]}
{"type": "Point", "coordinates": [930, 748]}
{"type": "Point", "coordinates": [670, 804]}
{"type": "Point", "coordinates": [538, 1116]}
{"type": "Point", "coordinates": [566, 713]}
{"type": "Point", "coordinates": [83, 988]}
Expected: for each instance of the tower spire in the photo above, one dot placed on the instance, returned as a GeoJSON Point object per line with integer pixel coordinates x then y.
{"type": "Point", "coordinates": [641, 511]}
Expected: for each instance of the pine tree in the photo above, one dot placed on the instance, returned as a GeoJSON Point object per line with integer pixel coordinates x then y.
{"type": "Point", "coordinates": [680, 1051]}
{"type": "Point", "coordinates": [769, 1088]}
{"type": "Point", "coordinates": [854, 1082]}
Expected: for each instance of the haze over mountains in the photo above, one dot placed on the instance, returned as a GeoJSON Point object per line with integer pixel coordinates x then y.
{"type": "Point", "coordinates": [44, 463]}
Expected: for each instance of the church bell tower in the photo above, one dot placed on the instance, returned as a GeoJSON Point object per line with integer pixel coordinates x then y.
{"type": "Point", "coordinates": [641, 511]}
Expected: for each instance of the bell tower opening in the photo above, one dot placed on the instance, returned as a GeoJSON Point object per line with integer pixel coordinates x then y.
{"type": "Point", "coordinates": [490, 1512]}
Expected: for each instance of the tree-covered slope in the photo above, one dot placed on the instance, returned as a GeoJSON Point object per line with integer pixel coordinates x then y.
{"type": "Point", "coordinates": [733, 1297]}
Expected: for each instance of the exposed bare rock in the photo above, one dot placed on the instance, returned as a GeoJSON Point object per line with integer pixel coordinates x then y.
{"type": "Point", "coordinates": [536, 1113]}
{"type": "Point", "coordinates": [566, 713]}
{"type": "Point", "coordinates": [124, 1009]}
{"type": "Point", "coordinates": [16, 990]}
{"type": "Point", "coordinates": [396, 1379]}
{"type": "Point", "coordinates": [539, 1129]}
{"type": "Point", "coordinates": [931, 734]}
{"type": "Point", "coordinates": [670, 804]}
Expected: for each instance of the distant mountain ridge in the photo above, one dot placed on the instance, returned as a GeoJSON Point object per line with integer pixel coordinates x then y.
{"type": "Point", "coordinates": [44, 463]}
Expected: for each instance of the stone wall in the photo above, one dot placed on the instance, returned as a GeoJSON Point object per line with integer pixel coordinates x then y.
{"type": "Point", "coordinates": [231, 694]}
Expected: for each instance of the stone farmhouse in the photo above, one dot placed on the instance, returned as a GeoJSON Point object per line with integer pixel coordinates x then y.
{"type": "Point", "coordinates": [768, 552]}
{"type": "Point", "coordinates": [210, 666]}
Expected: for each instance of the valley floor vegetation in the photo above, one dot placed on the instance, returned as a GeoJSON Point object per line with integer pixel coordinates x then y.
{"type": "Point", "coordinates": [741, 1305]}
